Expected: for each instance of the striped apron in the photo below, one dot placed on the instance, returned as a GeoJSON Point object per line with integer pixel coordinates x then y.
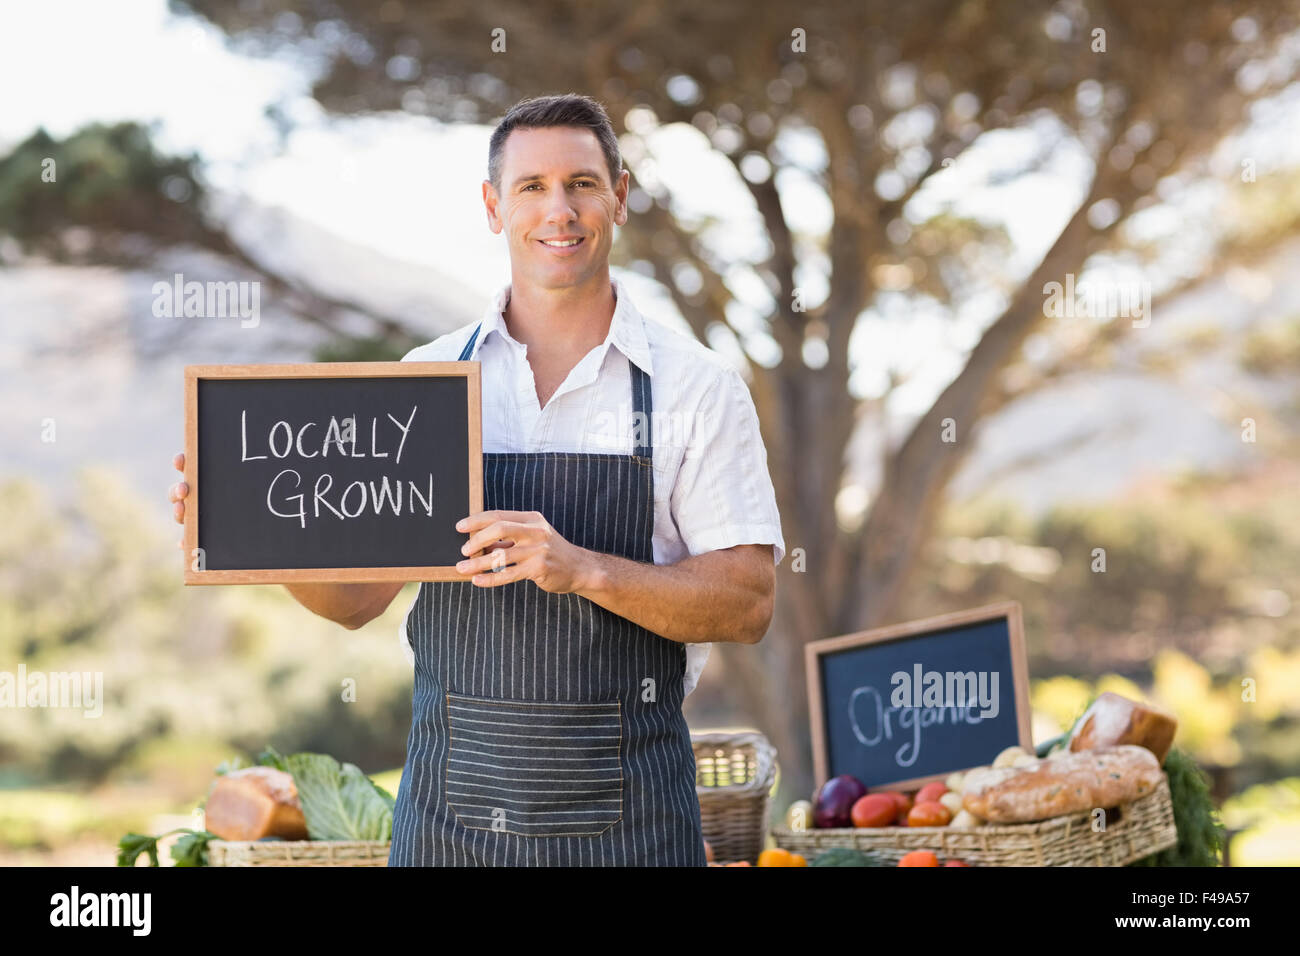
{"type": "Point", "coordinates": [545, 729]}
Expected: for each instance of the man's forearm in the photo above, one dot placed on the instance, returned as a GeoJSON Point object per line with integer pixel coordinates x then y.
{"type": "Point", "coordinates": [706, 598]}
{"type": "Point", "coordinates": [351, 605]}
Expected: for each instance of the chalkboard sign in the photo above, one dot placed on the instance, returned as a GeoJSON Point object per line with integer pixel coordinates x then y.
{"type": "Point", "coordinates": [903, 705]}
{"type": "Point", "coordinates": [337, 471]}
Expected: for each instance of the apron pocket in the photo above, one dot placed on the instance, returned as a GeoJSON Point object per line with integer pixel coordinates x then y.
{"type": "Point", "coordinates": [535, 768]}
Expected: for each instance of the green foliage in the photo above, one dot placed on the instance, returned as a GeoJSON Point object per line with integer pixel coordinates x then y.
{"type": "Point", "coordinates": [38, 820]}
{"type": "Point", "coordinates": [846, 856]}
{"type": "Point", "coordinates": [93, 584]}
{"type": "Point", "coordinates": [385, 348]}
{"type": "Point", "coordinates": [231, 765]}
{"type": "Point", "coordinates": [1267, 818]}
{"type": "Point", "coordinates": [1200, 833]}
{"type": "Point", "coordinates": [132, 845]}
{"type": "Point", "coordinates": [1159, 564]}
{"type": "Point", "coordinates": [189, 850]}
{"type": "Point", "coordinates": [1180, 566]}
{"type": "Point", "coordinates": [1257, 804]}
{"type": "Point", "coordinates": [192, 849]}
{"type": "Point", "coordinates": [270, 757]}
{"type": "Point", "coordinates": [1055, 745]}
{"type": "Point", "coordinates": [107, 178]}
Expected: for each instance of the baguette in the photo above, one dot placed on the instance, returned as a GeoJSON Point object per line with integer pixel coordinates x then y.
{"type": "Point", "coordinates": [1065, 784]}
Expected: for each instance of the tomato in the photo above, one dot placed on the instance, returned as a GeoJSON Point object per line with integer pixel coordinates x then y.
{"type": "Point", "coordinates": [904, 803]}
{"type": "Point", "coordinates": [919, 858]}
{"type": "Point", "coordinates": [931, 792]}
{"type": "Point", "coordinates": [956, 863]}
{"type": "Point", "coordinates": [874, 810]}
{"type": "Point", "coordinates": [929, 814]}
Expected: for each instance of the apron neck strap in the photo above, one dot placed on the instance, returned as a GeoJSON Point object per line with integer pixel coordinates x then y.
{"type": "Point", "coordinates": [469, 346]}
{"type": "Point", "coordinates": [642, 411]}
{"type": "Point", "coordinates": [642, 402]}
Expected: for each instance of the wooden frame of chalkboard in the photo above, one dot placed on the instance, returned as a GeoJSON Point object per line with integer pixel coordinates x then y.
{"type": "Point", "coordinates": [816, 651]}
{"type": "Point", "coordinates": [194, 374]}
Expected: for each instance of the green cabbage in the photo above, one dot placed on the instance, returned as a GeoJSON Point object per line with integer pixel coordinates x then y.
{"type": "Point", "coordinates": [340, 802]}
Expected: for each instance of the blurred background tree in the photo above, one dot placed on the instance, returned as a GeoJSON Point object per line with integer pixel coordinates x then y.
{"type": "Point", "coordinates": [95, 582]}
{"type": "Point", "coordinates": [125, 203]}
{"type": "Point", "coordinates": [894, 97]}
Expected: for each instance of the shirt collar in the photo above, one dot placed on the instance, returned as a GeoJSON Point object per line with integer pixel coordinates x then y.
{"type": "Point", "coordinates": [626, 328]}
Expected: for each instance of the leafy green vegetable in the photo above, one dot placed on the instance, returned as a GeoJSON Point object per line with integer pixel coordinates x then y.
{"type": "Point", "coordinates": [846, 856]}
{"type": "Point", "coordinates": [388, 797]}
{"type": "Point", "coordinates": [192, 849]}
{"type": "Point", "coordinates": [1061, 741]}
{"type": "Point", "coordinates": [270, 757]}
{"type": "Point", "coordinates": [340, 802]}
{"type": "Point", "coordinates": [1043, 749]}
{"type": "Point", "coordinates": [189, 850]}
{"type": "Point", "coordinates": [132, 845]}
{"type": "Point", "coordinates": [1200, 834]}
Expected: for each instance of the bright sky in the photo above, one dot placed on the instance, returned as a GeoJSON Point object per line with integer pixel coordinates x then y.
{"type": "Point", "coordinates": [411, 187]}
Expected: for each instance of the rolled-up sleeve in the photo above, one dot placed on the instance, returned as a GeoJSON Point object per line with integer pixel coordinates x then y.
{"type": "Point", "coordinates": [723, 495]}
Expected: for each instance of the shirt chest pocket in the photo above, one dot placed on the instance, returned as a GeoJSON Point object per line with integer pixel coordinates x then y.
{"type": "Point", "coordinates": [534, 768]}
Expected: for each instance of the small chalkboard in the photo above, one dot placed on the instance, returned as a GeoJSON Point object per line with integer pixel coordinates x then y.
{"type": "Point", "coordinates": [904, 705]}
{"type": "Point", "coordinates": [330, 472]}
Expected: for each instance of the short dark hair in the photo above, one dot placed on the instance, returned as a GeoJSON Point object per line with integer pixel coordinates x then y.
{"type": "Point", "coordinates": [565, 109]}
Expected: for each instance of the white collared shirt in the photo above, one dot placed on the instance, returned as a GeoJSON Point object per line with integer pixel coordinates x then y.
{"type": "Point", "coordinates": [711, 483]}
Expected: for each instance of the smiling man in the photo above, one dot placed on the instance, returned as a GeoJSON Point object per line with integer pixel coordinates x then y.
{"type": "Point", "coordinates": [630, 522]}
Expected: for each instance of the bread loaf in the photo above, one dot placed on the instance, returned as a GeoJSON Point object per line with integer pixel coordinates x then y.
{"type": "Point", "coordinates": [1064, 784]}
{"type": "Point", "coordinates": [253, 803]}
{"type": "Point", "coordinates": [1114, 720]}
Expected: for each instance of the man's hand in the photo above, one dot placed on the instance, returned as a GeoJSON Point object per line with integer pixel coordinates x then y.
{"type": "Point", "coordinates": [723, 595]}
{"type": "Point", "coordinates": [177, 494]}
{"type": "Point", "coordinates": [351, 605]}
{"type": "Point", "coordinates": [521, 546]}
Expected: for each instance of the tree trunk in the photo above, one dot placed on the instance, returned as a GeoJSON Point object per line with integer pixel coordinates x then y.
{"type": "Point", "coordinates": [902, 516]}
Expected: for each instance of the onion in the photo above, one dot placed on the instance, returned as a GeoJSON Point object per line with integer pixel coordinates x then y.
{"type": "Point", "coordinates": [833, 805]}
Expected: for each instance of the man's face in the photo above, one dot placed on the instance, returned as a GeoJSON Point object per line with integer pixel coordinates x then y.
{"type": "Point", "coordinates": [555, 185]}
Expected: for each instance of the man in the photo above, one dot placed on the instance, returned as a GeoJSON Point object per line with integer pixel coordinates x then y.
{"type": "Point", "coordinates": [630, 521]}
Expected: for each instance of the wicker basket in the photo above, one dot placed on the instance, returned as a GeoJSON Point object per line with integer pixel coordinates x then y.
{"type": "Point", "coordinates": [734, 773]}
{"type": "Point", "coordinates": [1141, 828]}
{"type": "Point", "coordinates": [298, 853]}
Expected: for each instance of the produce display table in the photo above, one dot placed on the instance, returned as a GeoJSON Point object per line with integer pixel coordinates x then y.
{"type": "Point", "coordinates": [1138, 829]}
